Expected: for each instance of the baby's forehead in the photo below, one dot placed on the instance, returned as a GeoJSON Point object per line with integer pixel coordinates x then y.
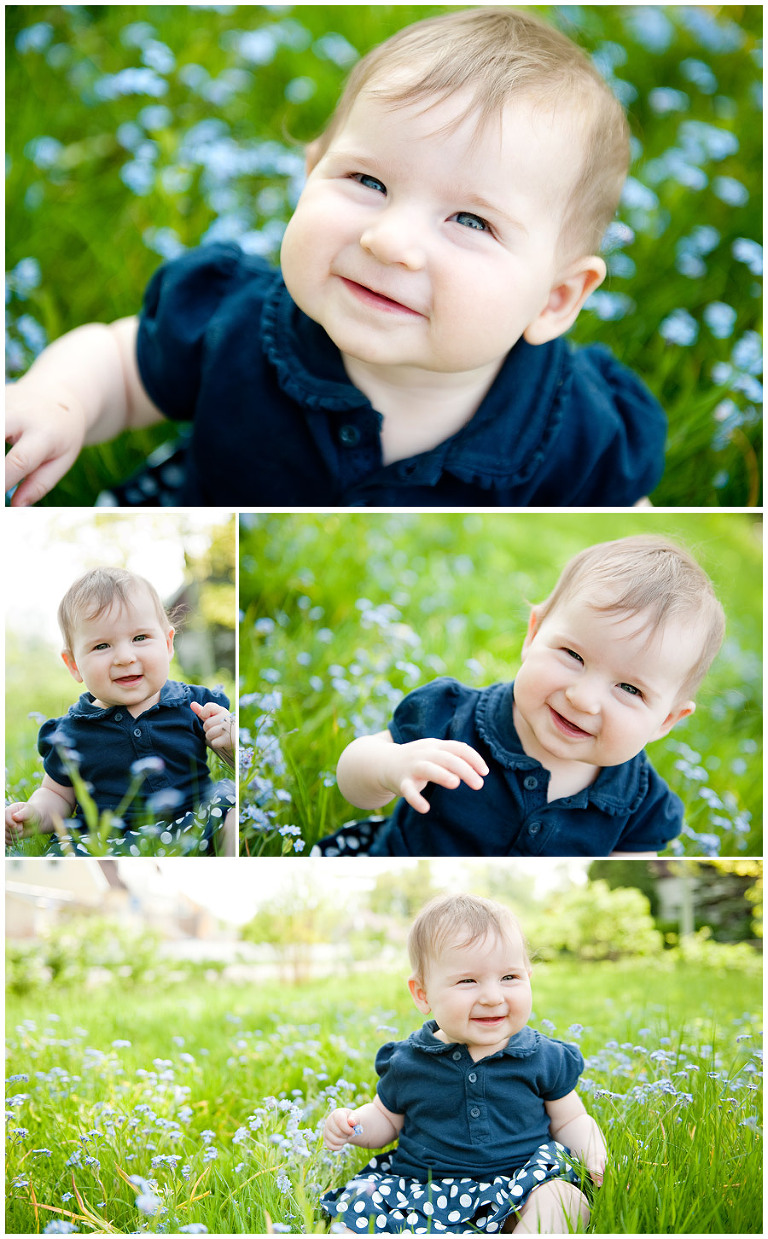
{"type": "Point", "coordinates": [462, 942]}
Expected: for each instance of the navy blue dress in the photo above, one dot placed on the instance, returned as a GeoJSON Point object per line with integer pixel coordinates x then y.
{"type": "Point", "coordinates": [162, 751]}
{"type": "Point", "coordinates": [277, 422]}
{"type": "Point", "coordinates": [475, 1140]}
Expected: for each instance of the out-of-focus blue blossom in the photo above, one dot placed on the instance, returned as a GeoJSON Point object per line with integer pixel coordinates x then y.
{"type": "Point", "coordinates": [674, 165]}
{"type": "Point", "coordinates": [720, 318]}
{"type": "Point", "coordinates": [679, 327]}
{"type": "Point", "coordinates": [731, 191]}
{"type": "Point", "coordinates": [691, 250]}
{"type": "Point", "coordinates": [609, 306]}
{"type": "Point", "coordinates": [337, 49]}
{"type": "Point", "coordinates": [714, 35]}
{"type": "Point", "coordinates": [155, 116]}
{"type": "Point", "coordinates": [701, 141]}
{"type": "Point", "coordinates": [130, 135]}
{"type": "Point", "coordinates": [59, 1227]}
{"type": "Point", "coordinates": [148, 1203]}
{"type": "Point", "coordinates": [621, 265]}
{"type": "Point", "coordinates": [34, 38]}
{"type": "Point", "coordinates": [139, 176]}
{"type": "Point", "coordinates": [44, 152]}
{"type": "Point", "coordinates": [158, 56]}
{"type": "Point", "coordinates": [750, 252]}
{"type": "Point", "coordinates": [137, 34]}
{"type": "Point", "coordinates": [636, 195]}
{"type": "Point", "coordinates": [300, 89]}
{"type": "Point", "coordinates": [617, 235]}
{"type": "Point", "coordinates": [747, 353]}
{"type": "Point", "coordinates": [163, 241]}
{"type": "Point", "coordinates": [257, 47]}
{"type": "Point", "coordinates": [650, 26]}
{"type": "Point", "coordinates": [607, 57]}
{"type": "Point", "coordinates": [32, 333]}
{"type": "Point", "coordinates": [700, 74]}
{"type": "Point", "coordinates": [25, 277]}
{"type": "Point", "coordinates": [133, 81]}
{"type": "Point", "coordinates": [663, 99]}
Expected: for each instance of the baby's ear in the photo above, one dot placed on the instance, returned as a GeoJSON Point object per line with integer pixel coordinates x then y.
{"type": "Point", "coordinates": [674, 717]}
{"type": "Point", "coordinates": [566, 298]}
{"type": "Point", "coordinates": [419, 994]}
{"type": "Point", "coordinates": [533, 628]}
{"type": "Point", "coordinates": [71, 665]}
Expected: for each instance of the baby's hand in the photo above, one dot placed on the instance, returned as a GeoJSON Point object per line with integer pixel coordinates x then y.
{"type": "Point", "coordinates": [340, 1126]}
{"type": "Point", "coordinates": [447, 762]}
{"type": "Point", "coordinates": [47, 431]}
{"type": "Point", "coordinates": [20, 821]}
{"type": "Point", "coordinates": [218, 725]}
{"type": "Point", "coordinates": [596, 1168]}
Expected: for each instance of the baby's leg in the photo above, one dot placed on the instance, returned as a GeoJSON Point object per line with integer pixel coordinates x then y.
{"type": "Point", "coordinates": [555, 1208]}
{"type": "Point", "coordinates": [229, 835]}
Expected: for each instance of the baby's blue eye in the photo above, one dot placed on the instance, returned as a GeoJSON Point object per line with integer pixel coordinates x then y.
{"type": "Point", "coordinates": [370, 182]}
{"type": "Point", "coordinates": [141, 637]}
{"type": "Point", "coordinates": [468, 220]}
{"type": "Point", "coordinates": [573, 654]}
{"type": "Point", "coordinates": [630, 688]}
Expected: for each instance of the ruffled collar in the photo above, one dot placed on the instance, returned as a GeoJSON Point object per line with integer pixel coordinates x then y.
{"type": "Point", "coordinates": [522, 1045]}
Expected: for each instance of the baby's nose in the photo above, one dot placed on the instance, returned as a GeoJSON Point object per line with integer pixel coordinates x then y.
{"type": "Point", "coordinates": [584, 696]}
{"type": "Point", "coordinates": [392, 240]}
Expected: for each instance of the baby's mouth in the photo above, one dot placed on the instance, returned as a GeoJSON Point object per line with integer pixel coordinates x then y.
{"type": "Point", "coordinates": [567, 727]}
{"type": "Point", "coordinates": [369, 296]}
{"type": "Point", "coordinates": [128, 680]}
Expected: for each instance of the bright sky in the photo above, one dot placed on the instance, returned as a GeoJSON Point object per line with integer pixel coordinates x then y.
{"type": "Point", "coordinates": [46, 549]}
{"type": "Point", "coordinates": [234, 889]}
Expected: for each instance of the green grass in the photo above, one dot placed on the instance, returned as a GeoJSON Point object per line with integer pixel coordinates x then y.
{"type": "Point", "coordinates": [344, 614]}
{"type": "Point", "coordinates": [205, 1059]}
{"type": "Point", "coordinates": [97, 241]}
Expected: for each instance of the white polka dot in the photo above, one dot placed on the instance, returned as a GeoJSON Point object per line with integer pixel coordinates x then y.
{"type": "Point", "coordinates": [381, 1221]}
{"type": "Point", "coordinates": [454, 1215]}
{"type": "Point", "coordinates": [442, 1202]}
{"type": "Point", "coordinates": [517, 1190]}
{"type": "Point", "coordinates": [358, 1206]}
{"type": "Point", "coordinates": [411, 1218]}
{"type": "Point", "coordinates": [465, 1200]}
{"type": "Point", "coordinates": [428, 1208]}
{"type": "Point", "coordinates": [539, 1174]}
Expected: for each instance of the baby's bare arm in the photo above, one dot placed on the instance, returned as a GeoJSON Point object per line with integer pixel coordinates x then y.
{"type": "Point", "coordinates": [373, 769]}
{"type": "Point", "coordinates": [572, 1126]}
{"type": "Point", "coordinates": [84, 388]}
{"type": "Point", "coordinates": [48, 803]}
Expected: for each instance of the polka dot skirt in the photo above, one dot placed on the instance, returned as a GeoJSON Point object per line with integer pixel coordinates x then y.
{"type": "Point", "coordinates": [192, 833]}
{"type": "Point", "coordinates": [376, 1201]}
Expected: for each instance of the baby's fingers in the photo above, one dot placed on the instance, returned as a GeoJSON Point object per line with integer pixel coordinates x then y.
{"type": "Point", "coordinates": [467, 755]}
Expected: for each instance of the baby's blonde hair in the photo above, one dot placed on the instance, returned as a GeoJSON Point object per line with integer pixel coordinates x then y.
{"type": "Point", "coordinates": [463, 919]}
{"type": "Point", "coordinates": [498, 54]}
{"type": "Point", "coordinates": [646, 574]}
{"type": "Point", "coordinates": [94, 593]}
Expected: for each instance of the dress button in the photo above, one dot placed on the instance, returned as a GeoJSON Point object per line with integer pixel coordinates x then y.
{"type": "Point", "coordinates": [534, 828]}
{"type": "Point", "coordinates": [475, 1113]}
{"type": "Point", "coordinates": [118, 717]}
{"type": "Point", "coordinates": [137, 731]}
{"type": "Point", "coordinates": [456, 1055]}
{"type": "Point", "coordinates": [349, 435]}
{"type": "Point", "coordinates": [472, 1077]}
{"type": "Point", "coordinates": [529, 782]}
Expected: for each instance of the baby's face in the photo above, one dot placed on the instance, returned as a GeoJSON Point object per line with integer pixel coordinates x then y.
{"type": "Point", "coordinates": [432, 250]}
{"type": "Point", "coordinates": [594, 687]}
{"type": "Point", "coordinates": [123, 655]}
{"type": "Point", "coordinates": [479, 994]}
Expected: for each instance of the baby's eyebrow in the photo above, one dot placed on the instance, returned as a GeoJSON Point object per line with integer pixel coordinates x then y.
{"type": "Point", "coordinates": [473, 199]}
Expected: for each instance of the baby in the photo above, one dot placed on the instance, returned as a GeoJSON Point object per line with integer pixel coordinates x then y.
{"type": "Point", "coordinates": [552, 764]}
{"type": "Point", "coordinates": [411, 352]}
{"type": "Point", "coordinates": [480, 1104]}
{"type": "Point", "coordinates": [133, 729]}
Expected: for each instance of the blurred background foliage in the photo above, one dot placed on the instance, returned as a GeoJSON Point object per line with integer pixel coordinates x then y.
{"type": "Point", "coordinates": [139, 130]}
{"type": "Point", "coordinates": [342, 615]}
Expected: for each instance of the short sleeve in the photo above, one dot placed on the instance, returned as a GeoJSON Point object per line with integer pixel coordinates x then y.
{"type": "Point", "coordinates": [428, 711]}
{"type": "Point", "coordinates": [658, 820]}
{"type": "Point", "coordinates": [181, 302]}
{"type": "Point", "coordinates": [53, 745]}
{"type": "Point", "coordinates": [387, 1085]}
{"type": "Point", "coordinates": [563, 1064]}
